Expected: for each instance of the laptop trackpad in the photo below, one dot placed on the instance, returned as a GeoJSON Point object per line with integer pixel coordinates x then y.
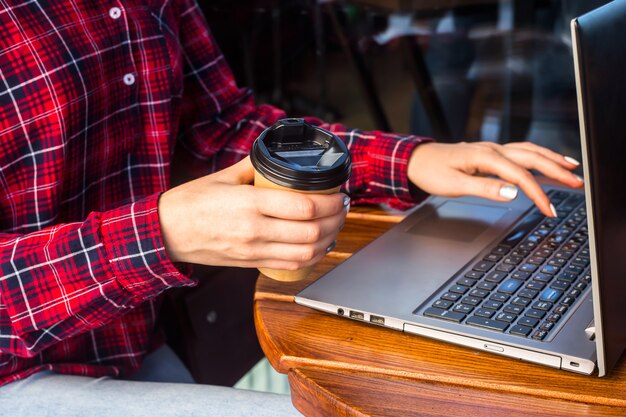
{"type": "Point", "coordinates": [462, 222]}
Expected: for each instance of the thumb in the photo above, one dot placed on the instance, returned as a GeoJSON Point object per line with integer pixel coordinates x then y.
{"type": "Point", "coordinates": [240, 173]}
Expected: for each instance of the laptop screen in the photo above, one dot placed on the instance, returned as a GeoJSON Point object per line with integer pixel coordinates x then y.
{"type": "Point", "coordinates": [600, 55]}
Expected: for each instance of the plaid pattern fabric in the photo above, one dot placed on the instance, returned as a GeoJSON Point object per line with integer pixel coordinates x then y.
{"type": "Point", "coordinates": [95, 96]}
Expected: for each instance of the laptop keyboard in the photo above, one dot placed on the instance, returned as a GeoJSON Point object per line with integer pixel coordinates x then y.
{"type": "Point", "coordinates": [527, 283]}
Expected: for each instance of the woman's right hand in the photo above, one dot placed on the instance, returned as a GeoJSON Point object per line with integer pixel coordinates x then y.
{"type": "Point", "coordinates": [221, 220]}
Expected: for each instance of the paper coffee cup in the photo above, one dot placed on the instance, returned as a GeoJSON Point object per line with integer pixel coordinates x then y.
{"type": "Point", "coordinates": [295, 156]}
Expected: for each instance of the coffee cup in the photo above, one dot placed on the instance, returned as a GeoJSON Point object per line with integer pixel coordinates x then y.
{"type": "Point", "coordinates": [296, 156]}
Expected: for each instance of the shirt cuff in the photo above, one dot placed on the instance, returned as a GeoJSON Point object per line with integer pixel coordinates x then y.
{"type": "Point", "coordinates": [136, 254]}
{"type": "Point", "coordinates": [387, 172]}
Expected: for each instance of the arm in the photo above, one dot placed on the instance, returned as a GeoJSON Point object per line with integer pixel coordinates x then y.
{"type": "Point", "coordinates": [219, 122]}
{"type": "Point", "coordinates": [70, 278]}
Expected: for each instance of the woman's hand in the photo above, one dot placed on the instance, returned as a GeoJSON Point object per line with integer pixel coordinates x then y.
{"type": "Point", "coordinates": [454, 170]}
{"type": "Point", "coordinates": [221, 220]}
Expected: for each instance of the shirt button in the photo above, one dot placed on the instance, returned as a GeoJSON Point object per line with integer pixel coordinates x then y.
{"type": "Point", "coordinates": [115, 12]}
{"type": "Point", "coordinates": [129, 79]}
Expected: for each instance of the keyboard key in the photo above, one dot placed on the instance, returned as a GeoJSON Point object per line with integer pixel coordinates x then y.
{"type": "Point", "coordinates": [580, 261]}
{"type": "Point", "coordinates": [492, 257]}
{"type": "Point", "coordinates": [499, 297]}
{"type": "Point", "coordinates": [467, 282]}
{"type": "Point", "coordinates": [507, 317]}
{"type": "Point", "coordinates": [485, 285]}
{"type": "Point", "coordinates": [505, 268]}
{"type": "Point", "coordinates": [561, 309]}
{"type": "Point", "coordinates": [536, 314]}
{"type": "Point", "coordinates": [443, 304]}
{"type": "Point", "coordinates": [536, 260]}
{"type": "Point", "coordinates": [479, 293]}
{"type": "Point", "coordinates": [550, 269]}
{"type": "Point", "coordinates": [513, 309]}
{"type": "Point", "coordinates": [450, 296]}
{"type": "Point", "coordinates": [551, 295]}
{"type": "Point", "coordinates": [528, 321]}
{"type": "Point", "coordinates": [539, 335]}
{"type": "Point", "coordinates": [513, 260]}
{"type": "Point", "coordinates": [535, 285]}
{"type": "Point", "coordinates": [500, 250]}
{"type": "Point", "coordinates": [520, 330]}
{"type": "Point", "coordinates": [547, 326]}
{"type": "Point", "coordinates": [444, 314]}
{"type": "Point", "coordinates": [568, 301]}
{"type": "Point", "coordinates": [484, 312]}
{"type": "Point", "coordinates": [493, 305]}
{"type": "Point", "coordinates": [463, 308]}
{"type": "Point", "coordinates": [542, 305]}
{"type": "Point", "coordinates": [566, 276]}
{"type": "Point", "coordinates": [526, 293]}
{"type": "Point", "coordinates": [521, 301]}
{"type": "Point", "coordinates": [474, 275]}
{"type": "Point", "coordinates": [459, 289]}
{"type": "Point", "coordinates": [510, 286]}
{"type": "Point", "coordinates": [496, 277]}
{"type": "Point", "coordinates": [472, 301]}
{"type": "Point", "coordinates": [541, 277]}
{"type": "Point", "coordinates": [520, 275]}
{"type": "Point", "coordinates": [559, 263]}
{"type": "Point", "coordinates": [560, 285]}
{"type": "Point", "coordinates": [528, 268]}
{"type": "Point", "coordinates": [487, 323]}
{"type": "Point", "coordinates": [483, 266]}
{"type": "Point", "coordinates": [554, 317]}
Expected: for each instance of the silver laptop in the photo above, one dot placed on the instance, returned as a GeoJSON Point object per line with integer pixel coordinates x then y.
{"type": "Point", "coordinates": [503, 278]}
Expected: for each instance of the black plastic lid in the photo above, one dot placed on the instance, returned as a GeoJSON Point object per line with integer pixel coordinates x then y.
{"type": "Point", "coordinates": [295, 154]}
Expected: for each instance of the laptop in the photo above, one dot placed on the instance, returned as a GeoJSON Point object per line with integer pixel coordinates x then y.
{"type": "Point", "coordinates": [501, 277]}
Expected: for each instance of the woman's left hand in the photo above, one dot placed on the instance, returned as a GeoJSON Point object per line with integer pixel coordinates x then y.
{"type": "Point", "coordinates": [454, 170]}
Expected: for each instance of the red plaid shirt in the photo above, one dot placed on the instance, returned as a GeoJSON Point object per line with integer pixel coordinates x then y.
{"type": "Point", "coordinates": [95, 96]}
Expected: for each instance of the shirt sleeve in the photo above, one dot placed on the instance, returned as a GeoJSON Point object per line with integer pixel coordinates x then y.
{"type": "Point", "coordinates": [70, 278]}
{"type": "Point", "coordinates": [220, 121]}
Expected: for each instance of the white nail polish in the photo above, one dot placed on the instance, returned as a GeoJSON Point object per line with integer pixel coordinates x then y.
{"type": "Point", "coordinates": [553, 210]}
{"type": "Point", "coordinates": [509, 192]}
{"type": "Point", "coordinates": [331, 246]}
{"type": "Point", "coordinates": [346, 201]}
{"type": "Point", "coordinates": [579, 178]}
{"type": "Point", "coordinates": [571, 160]}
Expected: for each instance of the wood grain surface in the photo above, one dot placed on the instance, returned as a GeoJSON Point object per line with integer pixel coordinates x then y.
{"type": "Point", "coordinates": [342, 367]}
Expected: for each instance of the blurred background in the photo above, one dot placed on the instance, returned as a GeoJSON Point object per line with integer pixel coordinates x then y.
{"type": "Point", "coordinates": [456, 70]}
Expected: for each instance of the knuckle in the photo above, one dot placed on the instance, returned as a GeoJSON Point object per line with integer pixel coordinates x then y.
{"type": "Point", "coordinates": [307, 254]}
{"type": "Point", "coordinates": [306, 207]}
{"type": "Point", "coordinates": [313, 233]}
{"type": "Point", "coordinates": [246, 252]}
{"type": "Point", "coordinates": [292, 266]}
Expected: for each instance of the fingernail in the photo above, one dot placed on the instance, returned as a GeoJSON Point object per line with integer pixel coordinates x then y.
{"type": "Point", "coordinates": [553, 210]}
{"type": "Point", "coordinates": [579, 178]}
{"type": "Point", "coordinates": [509, 192]}
{"type": "Point", "coordinates": [341, 227]}
{"type": "Point", "coordinates": [571, 160]}
{"type": "Point", "coordinates": [332, 246]}
{"type": "Point", "coordinates": [346, 201]}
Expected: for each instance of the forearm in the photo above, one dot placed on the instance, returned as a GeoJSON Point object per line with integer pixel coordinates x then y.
{"type": "Point", "coordinates": [74, 277]}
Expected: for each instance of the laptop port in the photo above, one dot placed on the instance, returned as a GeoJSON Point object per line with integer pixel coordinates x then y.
{"type": "Point", "coordinates": [574, 364]}
{"type": "Point", "coordinates": [340, 312]}
{"type": "Point", "coordinates": [377, 320]}
{"type": "Point", "coordinates": [357, 315]}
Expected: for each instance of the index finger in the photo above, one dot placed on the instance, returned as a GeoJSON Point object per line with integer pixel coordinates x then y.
{"type": "Point", "coordinates": [290, 205]}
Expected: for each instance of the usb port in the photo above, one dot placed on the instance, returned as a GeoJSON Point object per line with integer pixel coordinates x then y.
{"type": "Point", "coordinates": [377, 320]}
{"type": "Point", "coordinates": [357, 315]}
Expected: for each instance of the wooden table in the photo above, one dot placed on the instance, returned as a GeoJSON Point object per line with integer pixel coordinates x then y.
{"type": "Point", "coordinates": [342, 367]}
